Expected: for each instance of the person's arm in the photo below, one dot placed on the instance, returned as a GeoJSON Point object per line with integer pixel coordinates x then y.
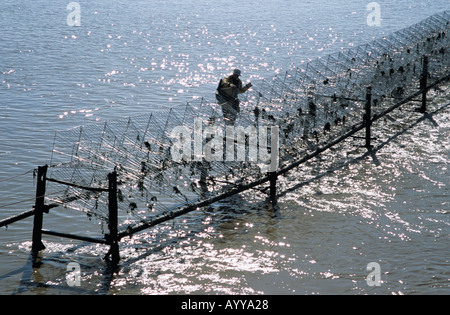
{"type": "Point", "coordinates": [245, 88]}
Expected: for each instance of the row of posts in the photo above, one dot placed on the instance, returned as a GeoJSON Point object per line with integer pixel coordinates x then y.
{"type": "Point", "coordinates": [368, 106]}
{"type": "Point", "coordinates": [368, 120]}
{"type": "Point", "coordinates": [112, 239]}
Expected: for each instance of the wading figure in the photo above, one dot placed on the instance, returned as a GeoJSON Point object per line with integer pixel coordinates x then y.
{"type": "Point", "coordinates": [227, 95]}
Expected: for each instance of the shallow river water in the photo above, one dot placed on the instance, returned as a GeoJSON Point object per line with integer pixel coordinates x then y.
{"type": "Point", "coordinates": [391, 207]}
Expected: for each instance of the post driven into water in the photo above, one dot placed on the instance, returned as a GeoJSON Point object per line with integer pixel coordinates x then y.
{"type": "Point", "coordinates": [368, 118]}
{"type": "Point", "coordinates": [273, 184]}
{"type": "Point", "coordinates": [113, 237]}
{"type": "Point", "coordinates": [423, 84]}
{"type": "Point", "coordinates": [39, 210]}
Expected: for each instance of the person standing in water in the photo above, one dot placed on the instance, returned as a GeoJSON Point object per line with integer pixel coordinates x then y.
{"type": "Point", "coordinates": [227, 95]}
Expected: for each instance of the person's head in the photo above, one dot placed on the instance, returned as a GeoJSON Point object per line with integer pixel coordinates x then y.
{"type": "Point", "coordinates": [236, 73]}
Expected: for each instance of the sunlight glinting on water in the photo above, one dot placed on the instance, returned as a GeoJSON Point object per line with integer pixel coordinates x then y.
{"type": "Point", "coordinates": [335, 214]}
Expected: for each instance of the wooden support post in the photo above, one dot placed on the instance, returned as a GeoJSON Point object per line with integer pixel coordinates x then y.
{"type": "Point", "coordinates": [273, 184]}
{"type": "Point", "coordinates": [39, 209]}
{"type": "Point", "coordinates": [423, 85]}
{"type": "Point", "coordinates": [113, 237]}
{"type": "Point", "coordinates": [368, 117]}
{"type": "Point", "coordinates": [274, 160]}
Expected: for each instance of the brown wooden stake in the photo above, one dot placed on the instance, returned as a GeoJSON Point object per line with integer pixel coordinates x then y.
{"type": "Point", "coordinates": [368, 118]}
{"type": "Point", "coordinates": [39, 210]}
{"type": "Point", "coordinates": [113, 237]}
{"type": "Point", "coordinates": [423, 84]}
{"type": "Point", "coordinates": [273, 184]}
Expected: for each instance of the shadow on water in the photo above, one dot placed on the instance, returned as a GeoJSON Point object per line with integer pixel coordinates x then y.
{"type": "Point", "coordinates": [372, 152]}
{"type": "Point", "coordinates": [48, 273]}
{"type": "Point", "coordinates": [225, 211]}
{"type": "Point", "coordinates": [30, 274]}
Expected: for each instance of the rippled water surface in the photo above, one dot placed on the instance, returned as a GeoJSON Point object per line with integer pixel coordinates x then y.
{"type": "Point", "coordinates": [334, 216]}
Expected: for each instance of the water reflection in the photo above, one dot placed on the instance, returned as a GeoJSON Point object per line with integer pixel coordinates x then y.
{"type": "Point", "coordinates": [352, 208]}
{"type": "Point", "coordinates": [327, 225]}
